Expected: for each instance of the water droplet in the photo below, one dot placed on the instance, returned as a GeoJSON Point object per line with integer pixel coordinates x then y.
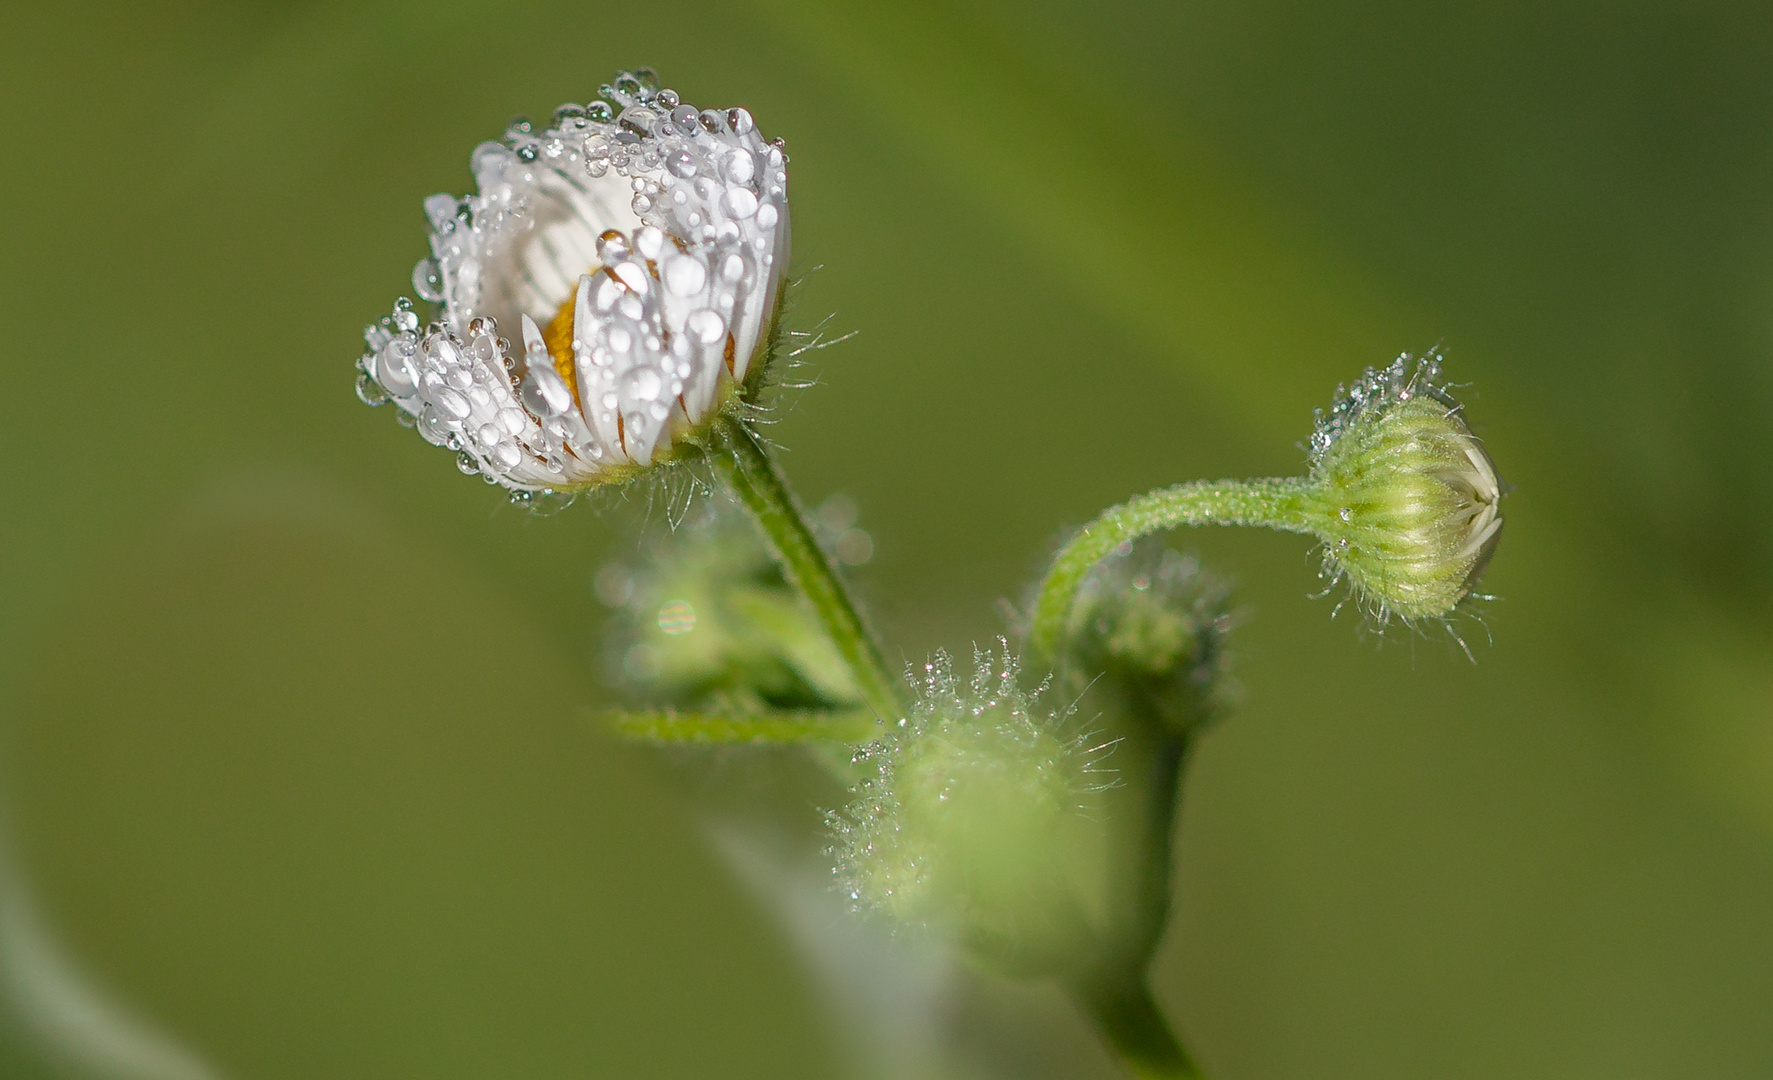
{"type": "Point", "coordinates": [667, 98]}
{"type": "Point", "coordinates": [633, 275]}
{"type": "Point", "coordinates": [527, 152]}
{"type": "Point", "coordinates": [507, 454]}
{"type": "Point", "coordinates": [643, 384]}
{"type": "Point", "coordinates": [440, 209]}
{"type": "Point", "coordinates": [600, 112]}
{"type": "Point", "coordinates": [738, 203]}
{"type": "Point", "coordinates": [370, 392]}
{"type": "Point", "coordinates": [649, 242]}
{"type": "Point", "coordinates": [707, 325]}
{"type": "Point", "coordinates": [395, 371]}
{"type": "Point", "coordinates": [684, 116]}
{"type": "Point", "coordinates": [740, 121]}
{"type": "Point", "coordinates": [442, 351]}
{"type": "Point", "coordinates": [452, 404]}
{"type": "Point", "coordinates": [638, 120]}
{"type": "Point", "coordinates": [681, 163]}
{"type": "Point", "coordinates": [740, 166]}
{"type": "Point", "coordinates": [612, 246]}
{"type": "Point", "coordinates": [732, 268]}
{"type": "Point", "coordinates": [545, 392]}
{"type": "Point", "coordinates": [641, 204]}
{"type": "Point", "coordinates": [467, 463]}
{"type": "Point", "coordinates": [684, 275]}
{"type": "Point", "coordinates": [766, 216]}
{"type": "Point", "coordinates": [512, 419]}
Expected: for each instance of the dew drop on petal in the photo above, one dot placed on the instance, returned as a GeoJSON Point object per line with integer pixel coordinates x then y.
{"type": "Point", "coordinates": [739, 203]}
{"type": "Point", "coordinates": [452, 404]}
{"type": "Point", "coordinates": [684, 275]}
{"type": "Point", "coordinates": [643, 384]}
{"type": "Point", "coordinates": [440, 209]}
{"type": "Point", "coordinates": [681, 163]}
{"type": "Point", "coordinates": [766, 216]}
{"type": "Point", "coordinates": [741, 166]}
{"type": "Point", "coordinates": [370, 392]}
{"type": "Point", "coordinates": [427, 280]}
{"type": "Point", "coordinates": [649, 241]}
{"type": "Point", "coordinates": [707, 325]}
{"type": "Point", "coordinates": [395, 372]}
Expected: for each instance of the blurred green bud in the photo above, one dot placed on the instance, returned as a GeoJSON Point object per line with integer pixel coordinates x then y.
{"type": "Point", "coordinates": [710, 622]}
{"type": "Point", "coordinates": [975, 821]}
{"type": "Point", "coordinates": [1148, 626]}
{"type": "Point", "coordinates": [1407, 498]}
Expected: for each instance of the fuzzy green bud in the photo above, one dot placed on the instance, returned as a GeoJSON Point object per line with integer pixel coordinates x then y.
{"type": "Point", "coordinates": [709, 621]}
{"type": "Point", "coordinates": [1407, 499]}
{"type": "Point", "coordinates": [1148, 626]}
{"type": "Point", "coordinates": [975, 821]}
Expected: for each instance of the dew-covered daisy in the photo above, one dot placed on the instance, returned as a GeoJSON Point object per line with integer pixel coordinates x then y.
{"type": "Point", "coordinates": [611, 286]}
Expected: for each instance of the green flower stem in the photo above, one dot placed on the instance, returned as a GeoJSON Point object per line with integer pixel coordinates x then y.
{"type": "Point", "coordinates": [1145, 886]}
{"type": "Point", "coordinates": [1115, 993]}
{"type": "Point", "coordinates": [669, 727]}
{"type": "Point", "coordinates": [1130, 1023]}
{"type": "Point", "coordinates": [1287, 504]}
{"type": "Point", "coordinates": [747, 468]}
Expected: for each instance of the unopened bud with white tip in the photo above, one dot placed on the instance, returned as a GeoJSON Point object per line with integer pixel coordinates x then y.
{"type": "Point", "coordinates": [1408, 499]}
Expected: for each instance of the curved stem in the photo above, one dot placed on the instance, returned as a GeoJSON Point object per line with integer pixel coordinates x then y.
{"type": "Point", "coordinates": [1285, 504]}
{"type": "Point", "coordinates": [748, 469]}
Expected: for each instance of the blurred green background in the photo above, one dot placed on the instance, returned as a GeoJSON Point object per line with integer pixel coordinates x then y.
{"type": "Point", "coordinates": [293, 759]}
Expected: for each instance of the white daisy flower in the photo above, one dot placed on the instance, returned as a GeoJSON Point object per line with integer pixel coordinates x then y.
{"type": "Point", "coordinates": [611, 286]}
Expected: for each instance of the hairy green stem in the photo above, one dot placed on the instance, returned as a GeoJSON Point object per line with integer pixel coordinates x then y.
{"type": "Point", "coordinates": [671, 727]}
{"type": "Point", "coordinates": [746, 466]}
{"type": "Point", "coordinates": [1286, 504]}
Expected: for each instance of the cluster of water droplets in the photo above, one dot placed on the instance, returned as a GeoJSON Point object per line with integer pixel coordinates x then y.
{"type": "Point", "coordinates": [633, 248]}
{"type": "Point", "coordinates": [458, 391]}
{"type": "Point", "coordinates": [1377, 388]}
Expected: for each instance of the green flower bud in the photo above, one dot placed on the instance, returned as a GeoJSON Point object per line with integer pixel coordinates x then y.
{"type": "Point", "coordinates": [1407, 498]}
{"type": "Point", "coordinates": [1148, 627]}
{"type": "Point", "coordinates": [975, 821]}
{"type": "Point", "coordinates": [710, 622]}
